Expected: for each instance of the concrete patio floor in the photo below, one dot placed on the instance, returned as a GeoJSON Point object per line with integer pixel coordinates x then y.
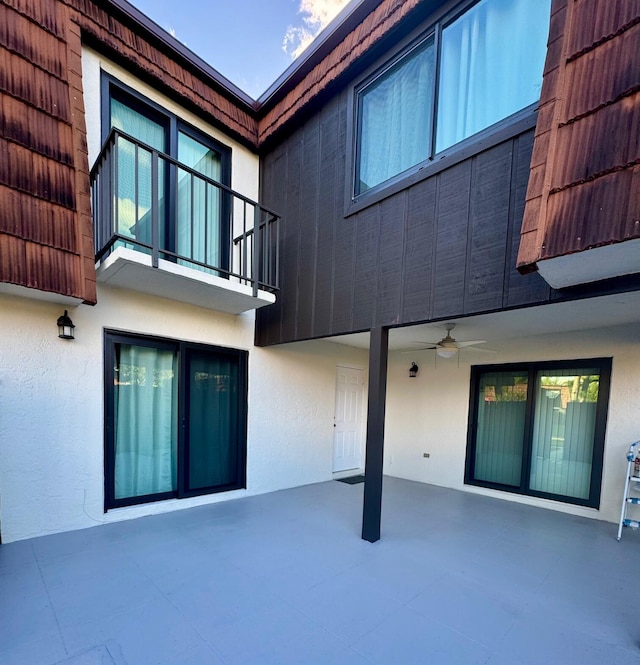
{"type": "Point", "coordinates": [285, 578]}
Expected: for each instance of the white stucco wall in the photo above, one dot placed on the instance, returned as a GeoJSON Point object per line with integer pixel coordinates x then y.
{"type": "Point", "coordinates": [429, 413]}
{"type": "Point", "coordinates": [51, 407]}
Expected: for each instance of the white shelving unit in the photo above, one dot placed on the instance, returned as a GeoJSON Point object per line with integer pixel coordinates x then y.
{"type": "Point", "coordinates": [632, 484]}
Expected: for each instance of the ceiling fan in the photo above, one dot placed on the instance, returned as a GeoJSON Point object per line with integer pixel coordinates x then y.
{"type": "Point", "coordinates": [448, 346]}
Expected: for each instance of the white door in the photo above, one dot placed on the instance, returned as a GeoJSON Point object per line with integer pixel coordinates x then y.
{"type": "Point", "coordinates": [349, 419]}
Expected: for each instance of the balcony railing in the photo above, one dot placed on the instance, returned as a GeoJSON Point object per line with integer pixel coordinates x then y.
{"type": "Point", "coordinates": [145, 200]}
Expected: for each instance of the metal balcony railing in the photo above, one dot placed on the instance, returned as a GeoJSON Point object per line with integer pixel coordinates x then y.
{"type": "Point", "coordinates": [146, 200]}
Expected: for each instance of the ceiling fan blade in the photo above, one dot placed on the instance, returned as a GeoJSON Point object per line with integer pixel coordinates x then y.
{"type": "Point", "coordinates": [471, 343]}
{"type": "Point", "coordinates": [423, 348]}
{"type": "Point", "coordinates": [432, 345]}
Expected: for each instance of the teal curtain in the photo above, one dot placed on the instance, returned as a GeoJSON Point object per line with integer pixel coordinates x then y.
{"type": "Point", "coordinates": [492, 60]}
{"type": "Point", "coordinates": [213, 420]}
{"type": "Point", "coordinates": [145, 422]}
{"type": "Point", "coordinates": [500, 431]}
{"type": "Point", "coordinates": [563, 431]}
{"type": "Point", "coordinates": [198, 223]}
{"type": "Point", "coordinates": [133, 191]}
{"type": "Point", "coordinates": [395, 112]}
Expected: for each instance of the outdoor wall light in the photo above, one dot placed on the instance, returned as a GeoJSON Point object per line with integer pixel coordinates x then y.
{"type": "Point", "coordinates": [446, 352]}
{"type": "Point", "coordinates": [65, 327]}
{"type": "Point", "coordinates": [413, 370]}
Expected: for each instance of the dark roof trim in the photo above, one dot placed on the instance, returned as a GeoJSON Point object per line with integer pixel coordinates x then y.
{"type": "Point", "coordinates": [175, 45]}
{"type": "Point", "coordinates": [346, 21]}
{"type": "Point", "coordinates": [330, 37]}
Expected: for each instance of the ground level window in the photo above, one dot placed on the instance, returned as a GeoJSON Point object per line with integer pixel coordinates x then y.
{"type": "Point", "coordinates": [175, 417]}
{"type": "Point", "coordinates": [538, 429]}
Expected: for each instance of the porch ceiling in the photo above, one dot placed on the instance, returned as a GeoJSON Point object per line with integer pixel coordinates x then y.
{"type": "Point", "coordinates": [562, 317]}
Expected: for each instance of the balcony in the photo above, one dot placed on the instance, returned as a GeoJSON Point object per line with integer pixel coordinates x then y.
{"type": "Point", "coordinates": [168, 230]}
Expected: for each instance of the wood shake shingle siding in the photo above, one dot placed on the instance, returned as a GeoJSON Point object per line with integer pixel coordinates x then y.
{"type": "Point", "coordinates": [45, 223]}
{"type": "Point", "coordinates": [585, 177]}
{"type": "Point", "coordinates": [141, 53]}
{"type": "Point", "coordinates": [46, 232]}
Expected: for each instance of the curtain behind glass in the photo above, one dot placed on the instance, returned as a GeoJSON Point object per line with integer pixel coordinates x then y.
{"type": "Point", "coordinates": [134, 194]}
{"type": "Point", "coordinates": [563, 431]}
{"type": "Point", "coordinates": [492, 60]}
{"type": "Point", "coordinates": [395, 119]}
{"type": "Point", "coordinates": [502, 401]}
{"type": "Point", "coordinates": [199, 215]}
{"type": "Point", "coordinates": [213, 421]}
{"type": "Point", "coordinates": [145, 423]}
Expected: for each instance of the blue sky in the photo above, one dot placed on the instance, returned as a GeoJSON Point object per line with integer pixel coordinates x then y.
{"type": "Point", "coordinates": [243, 39]}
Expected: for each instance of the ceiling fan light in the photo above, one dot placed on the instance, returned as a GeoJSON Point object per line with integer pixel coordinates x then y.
{"type": "Point", "coordinates": [446, 352]}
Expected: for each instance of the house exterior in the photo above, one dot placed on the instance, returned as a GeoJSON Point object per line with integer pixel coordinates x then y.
{"type": "Point", "coordinates": [244, 276]}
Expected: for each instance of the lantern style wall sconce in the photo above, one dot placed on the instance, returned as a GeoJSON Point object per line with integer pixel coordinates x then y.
{"type": "Point", "coordinates": [413, 370]}
{"type": "Point", "coordinates": [65, 327]}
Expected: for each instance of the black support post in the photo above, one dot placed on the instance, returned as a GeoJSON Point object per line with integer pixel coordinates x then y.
{"type": "Point", "coordinates": [378, 346]}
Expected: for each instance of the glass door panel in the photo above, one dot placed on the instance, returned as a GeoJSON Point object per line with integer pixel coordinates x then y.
{"type": "Point", "coordinates": [563, 431]}
{"type": "Point", "coordinates": [213, 421]}
{"type": "Point", "coordinates": [502, 401]}
{"type": "Point", "coordinates": [199, 231]}
{"type": "Point", "coordinates": [133, 190]}
{"type": "Point", "coordinates": [145, 420]}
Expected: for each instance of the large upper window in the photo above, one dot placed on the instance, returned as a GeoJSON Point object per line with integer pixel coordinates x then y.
{"type": "Point", "coordinates": [538, 429]}
{"type": "Point", "coordinates": [175, 419]}
{"type": "Point", "coordinates": [490, 66]}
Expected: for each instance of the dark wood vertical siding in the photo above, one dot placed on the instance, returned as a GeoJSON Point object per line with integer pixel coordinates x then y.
{"type": "Point", "coordinates": [488, 228]}
{"type": "Point", "coordinates": [417, 278]}
{"type": "Point", "coordinates": [451, 240]}
{"type": "Point", "coordinates": [444, 247]}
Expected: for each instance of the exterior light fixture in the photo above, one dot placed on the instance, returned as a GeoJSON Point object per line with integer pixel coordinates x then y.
{"type": "Point", "coordinates": [413, 370]}
{"type": "Point", "coordinates": [447, 351]}
{"type": "Point", "coordinates": [65, 327]}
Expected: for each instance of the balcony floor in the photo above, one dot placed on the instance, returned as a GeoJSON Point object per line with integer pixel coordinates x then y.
{"type": "Point", "coordinates": [285, 578]}
{"type": "Point", "coordinates": [129, 269]}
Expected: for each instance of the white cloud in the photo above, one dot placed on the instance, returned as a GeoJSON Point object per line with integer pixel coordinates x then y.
{"type": "Point", "coordinates": [315, 15]}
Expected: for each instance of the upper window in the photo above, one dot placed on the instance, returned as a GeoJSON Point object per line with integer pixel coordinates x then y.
{"type": "Point", "coordinates": [538, 429]}
{"type": "Point", "coordinates": [466, 75]}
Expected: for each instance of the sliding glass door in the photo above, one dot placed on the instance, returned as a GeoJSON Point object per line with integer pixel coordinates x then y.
{"type": "Point", "coordinates": [175, 416]}
{"type": "Point", "coordinates": [538, 429]}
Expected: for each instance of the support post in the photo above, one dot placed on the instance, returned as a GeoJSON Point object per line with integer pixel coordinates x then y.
{"type": "Point", "coordinates": [371, 514]}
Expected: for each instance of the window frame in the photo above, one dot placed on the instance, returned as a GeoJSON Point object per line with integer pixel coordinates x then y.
{"type": "Point", "coordinates": [112, 87]}
{"type": "Point", "coordinates": [181, 348]}
{"type": "Point", "coordinates": [504, 129]}
{"type": "Point", "coordinates": [532, 368]}
{"type": "Point", "coordinates": [110, 84]}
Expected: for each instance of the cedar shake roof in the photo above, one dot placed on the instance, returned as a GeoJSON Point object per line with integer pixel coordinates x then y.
{"type": "Point", "coordinates": [46, 234]}
{"type": "Point", "coordinates": [169, 67]}
{"type": "Point", "coordinates": [584, 188]}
